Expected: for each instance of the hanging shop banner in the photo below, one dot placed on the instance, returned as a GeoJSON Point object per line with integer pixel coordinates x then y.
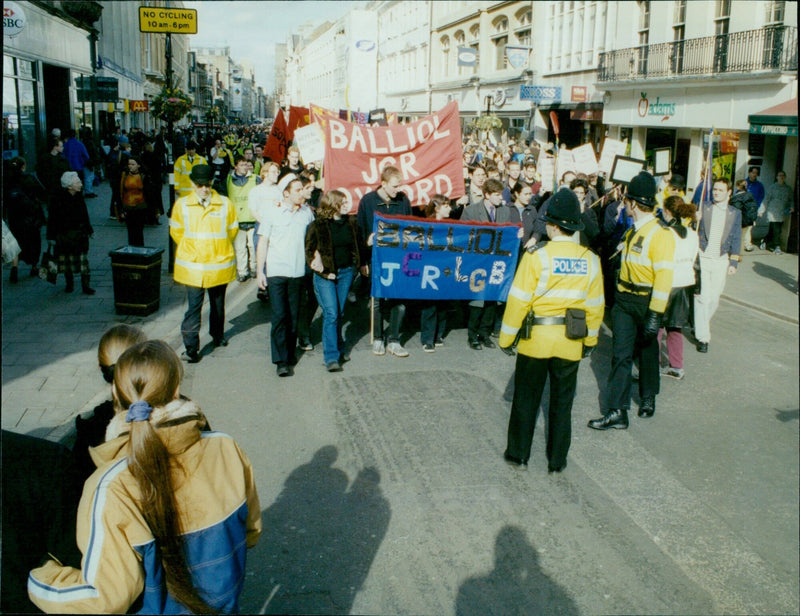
{"type": "Point", "coordinates": [427, 153]}
{"type": "Point", "coordinates": [420, 258]}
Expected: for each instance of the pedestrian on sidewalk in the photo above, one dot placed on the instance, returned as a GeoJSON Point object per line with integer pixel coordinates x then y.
{"type": "Point", "coordinates": [78, 158]}
{"type": "Point", "coordinates": [778, 203]}
{"type": "Point", "coordinates": [241, 182]}
{"type": "Point", "coordinates": [744, 201]}
{"type": "Point", "coordinates": [23, 200]}
{"type": "Point", "coordinates": [720, 238]}
{"type": "Point", "coordinates": [332, 249]}
{"type": "Point", "coordinates": [160, 481]}
{"type": "Point", "coordinates": [69, 230]}
{"type": "Point", "coordinates": [203, 226]}
{"type": "Point", "coordinates": [134, 206]}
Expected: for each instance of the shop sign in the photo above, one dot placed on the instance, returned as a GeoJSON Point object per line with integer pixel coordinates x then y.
{"type": "Point", "coordinates": [773, 129]}
{"type": "Point", "coordinates": [467, 56]}
{"type": "Point", "coordinates": [13, 19]}
{"type": "Point", "coordinates": [578, 94]}
{"type": "Point", "coordinates": [646, 108]}
{"type": "Point", "coordinates": [365, 45]}
{"type": "Point", "coordinates": [517, 56]}
{"type": "Point", "coordinates": [140, 105]}
{"type": "Point", "coordinates": [586, 115]}
{"type": "Point", "coordinates": [537, 94]}
{"type": "Point", "coordinates": [107, 89]}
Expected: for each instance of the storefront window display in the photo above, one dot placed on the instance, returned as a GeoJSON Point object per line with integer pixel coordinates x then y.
{"type": "Point", "coordinates": [20, 107]}
{"type": "Point", "coordinates": [723, 162]}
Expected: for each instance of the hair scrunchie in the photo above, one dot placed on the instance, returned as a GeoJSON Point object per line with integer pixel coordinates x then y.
{"type": "Point", "coordinates": [138, 411]}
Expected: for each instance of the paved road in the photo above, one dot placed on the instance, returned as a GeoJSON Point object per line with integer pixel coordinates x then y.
{"type": "Point", "coordinates": [383, 488]}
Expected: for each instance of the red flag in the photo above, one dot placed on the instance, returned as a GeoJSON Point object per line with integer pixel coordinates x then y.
{"type": "Point", "coordinates": [298, 116]}
{"type": "Point", "coordinates": [278, 141]}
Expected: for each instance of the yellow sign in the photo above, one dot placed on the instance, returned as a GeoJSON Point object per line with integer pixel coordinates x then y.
{"type": "Point", "coordinates": [158, 19]}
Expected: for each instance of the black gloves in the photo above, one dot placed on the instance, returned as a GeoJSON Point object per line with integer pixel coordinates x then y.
{"type": "Point", "coordinates": [652, 323]}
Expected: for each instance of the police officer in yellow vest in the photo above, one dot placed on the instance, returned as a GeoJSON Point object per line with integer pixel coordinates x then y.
{"type": "Point", "coordinates": [643, 285]}
{"type": "Point", "coordinates": [240, 182]}
{"type": "Point", "coordinates": [183, 167]}
{"type": "Point", "coordinates": [558, 296]}
{"type": "Point", "coordinates": [203, 225]}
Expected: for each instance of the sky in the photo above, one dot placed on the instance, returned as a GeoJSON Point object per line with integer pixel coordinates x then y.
{"type": "Point", "coordinates": [251, 28]}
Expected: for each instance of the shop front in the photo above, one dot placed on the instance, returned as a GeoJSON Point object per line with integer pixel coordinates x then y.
{"type": "Point", "coordinates": [43, 65]}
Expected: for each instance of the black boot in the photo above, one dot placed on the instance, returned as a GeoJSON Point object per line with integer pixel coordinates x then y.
{"type": "Point", "coordinates": [615, 418]}
{"type": "Point", "coordinates": [647, 407]}
{"type": "Point", "coordinates": [87, 290]}
{"type": "Point", "coordinates": [14, 276]}
{"type": "Point", "coordinates": [70, 282]}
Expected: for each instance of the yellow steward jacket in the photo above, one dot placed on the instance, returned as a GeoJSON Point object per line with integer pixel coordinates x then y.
{"type": "Point", "coordinates": [647, 261]}
{"type": "Point", "coordinates": [204, 238]}
{"type": "Point", "coordinates": [560, 275]}
{"type": "Point", "coordinates": [182, 169]}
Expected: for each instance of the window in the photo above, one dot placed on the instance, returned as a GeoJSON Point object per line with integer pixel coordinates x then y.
{"type": "Point", "coordinates": [475, 33]}
{"type": "Point", "coordinates": [524, 37]}
{"type": "Point", "coordinates": [501, 61]}
{"type": "Point", "coordinates": [773, 35]}
{"type": "Point", "coordinates": [678, 35]}
{"type": "Point", "coordinates": [644, 35]}
{"type": "Point", "coordinates": [721, 23]}
{"type": "Point", "coordinates": [460, 42]}
{"type": "Point", "coordinates": [775, 12]}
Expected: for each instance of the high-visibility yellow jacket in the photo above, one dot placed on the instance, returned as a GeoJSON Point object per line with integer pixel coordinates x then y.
{"type": "Point", "coordinates": [561, 274]}
{"type": "Point", "coordinates": [182, 169]}
{"type": "Point", "coordinates": [238, 193]}
{"type": "Point", "coordinates": [204, 236]}
{"type": "Point", "coordinates": [647, 260]}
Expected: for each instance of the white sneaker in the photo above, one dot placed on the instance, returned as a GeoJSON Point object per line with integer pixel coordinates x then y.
{"type": "Point", "coordinates": [396, 349]}
{"type": "Point", "coordinates": [378, 347]}
{"type": "Point", "coordinates": [777, 251]}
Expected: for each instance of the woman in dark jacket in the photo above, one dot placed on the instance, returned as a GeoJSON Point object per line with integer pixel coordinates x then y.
{"type": "Point", "coordinates": [746, 202]}
{"type": "Point", "coordinates": [23, 209]}
{"type": "Point", "coordinates": [69, 228]}
{"type": "Point", "coordinates": [333, 254]}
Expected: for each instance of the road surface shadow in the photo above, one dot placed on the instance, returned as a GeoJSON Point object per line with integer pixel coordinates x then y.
{"type": "Point", "coordinates": [516, 585]}
{"type": "Point", "coordinates": [319, 539]}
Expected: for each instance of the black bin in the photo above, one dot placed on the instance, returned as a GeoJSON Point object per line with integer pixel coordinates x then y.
{"type": "Point", "coordinates": [137, 279]}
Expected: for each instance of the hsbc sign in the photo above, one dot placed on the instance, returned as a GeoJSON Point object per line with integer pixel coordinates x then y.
{"type": "Point", "coordinates": [13, 19]}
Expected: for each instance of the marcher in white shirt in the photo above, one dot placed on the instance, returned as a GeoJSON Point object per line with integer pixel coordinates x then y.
{"type": "Point", "coordinates": [719, 235]}
{"type": "Point", "coordinates": [281, 249]}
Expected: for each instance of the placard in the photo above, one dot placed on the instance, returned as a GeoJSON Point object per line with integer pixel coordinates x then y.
{"type": "Point", "coordinates": [310, 141]}
{"type": "Point", "coordinates": [611, 149]}
{"type": "Point", "coordinates": [625, 169]}
{"type": "Point", "coordinates": [565, 162]}
{"type": "Point", "coordinates": [662, 161]}
{"type": "Point", "coordinates": [585, 159]}
{"type": "Point", "coordinates": [546, 167]}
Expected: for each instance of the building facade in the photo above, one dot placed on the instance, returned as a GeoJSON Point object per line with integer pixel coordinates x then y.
{"type": "Point", "coordinates": [47, 58]}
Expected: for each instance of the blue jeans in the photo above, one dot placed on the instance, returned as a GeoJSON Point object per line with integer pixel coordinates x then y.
{"type": "Point", "coordinates": [332, 295]}
{"type": "Point", "coordinates": [88, 180]}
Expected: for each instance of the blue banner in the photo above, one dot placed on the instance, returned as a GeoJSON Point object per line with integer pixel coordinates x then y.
{"type": "Point", "coordinates": [421, 258]}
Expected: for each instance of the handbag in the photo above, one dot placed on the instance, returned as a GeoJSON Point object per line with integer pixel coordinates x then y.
{"type": "Point", "coordinates": [11, 247]}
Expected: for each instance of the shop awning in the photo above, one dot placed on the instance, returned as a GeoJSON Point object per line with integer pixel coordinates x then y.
{"type": "Point", "coordinates": [778, 120]}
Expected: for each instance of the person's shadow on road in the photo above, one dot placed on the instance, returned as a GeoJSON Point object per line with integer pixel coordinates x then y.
{"type": "Point", "coordinates": [787, 281]}
{"type": "Point", "coordinates": [318, 541]}
{"type": "Point", "coordinates": [516, 585]}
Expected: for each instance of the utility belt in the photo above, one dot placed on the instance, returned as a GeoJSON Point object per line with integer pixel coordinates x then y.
{"type": "Point", "coordinates": [574, 321]}
{"type": "Point", "coordinates": [246, 226]}
{"type": "Point", "coordinates": [632, 287]}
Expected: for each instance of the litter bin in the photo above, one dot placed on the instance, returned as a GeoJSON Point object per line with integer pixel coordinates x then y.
{"type": "Point", "coordinates": [137, 279]}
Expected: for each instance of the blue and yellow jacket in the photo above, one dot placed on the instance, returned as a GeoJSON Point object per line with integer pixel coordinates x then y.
{"type": "Point", "coordinates": [219, 511]}
{"type": "Point", "coordinates": [561, 274]}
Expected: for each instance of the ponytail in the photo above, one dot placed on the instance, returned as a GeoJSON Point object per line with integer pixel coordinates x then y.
{"type": "Point", "coordinates": [148, 375]}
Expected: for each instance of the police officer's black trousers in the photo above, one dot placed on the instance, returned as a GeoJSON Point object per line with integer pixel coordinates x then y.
{"type": "Point", "coordinates": [627, 320]}
{"type": "Point", "coordinates": [529, 380]}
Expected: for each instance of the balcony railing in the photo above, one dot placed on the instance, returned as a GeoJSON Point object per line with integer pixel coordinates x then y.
{"type": "Point", "coordinates": [773, 48]}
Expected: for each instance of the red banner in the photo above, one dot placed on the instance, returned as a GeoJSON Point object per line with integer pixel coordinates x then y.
{"type": "Point", "coordinates": [298, 116]}
{"type": "Point", "coordinates": [427, 152]}
{"type": "Point", "coordinates": [278, 140]}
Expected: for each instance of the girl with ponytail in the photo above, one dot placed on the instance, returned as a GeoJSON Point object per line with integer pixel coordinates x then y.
{"type": "Point", "coordinates": [163, 480]}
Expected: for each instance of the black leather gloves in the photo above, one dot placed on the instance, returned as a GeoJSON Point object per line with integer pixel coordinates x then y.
{"type": "Point", "coordinates": [652, 323]}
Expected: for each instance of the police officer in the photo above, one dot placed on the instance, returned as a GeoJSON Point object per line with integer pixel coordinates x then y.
{"type": "Point", "coordinates": [555, 285]}
{"type": "Point", "coordinates": [643, 286]}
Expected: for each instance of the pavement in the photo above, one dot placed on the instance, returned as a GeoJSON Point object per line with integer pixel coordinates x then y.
{"type": "Point", "coordinates": [49, 342]}
{"type": "Point", "coordinates": [383, 488]}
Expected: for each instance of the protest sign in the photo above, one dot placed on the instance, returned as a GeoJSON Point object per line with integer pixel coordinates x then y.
{"type": "Point", "coordinates": [585, 159]}
{"type": "Point", "coordinates": [427, 153]}
{"type": "Point", "coordinates": [420, 258]}
{"type": "Point", "coordinates": [564, 163]}
{"type": "Point", "coordinates": [320, 115]}
{"type": "Point", "coordinates": [310, 142]}
{"type": "Point", "coordinates": [546, 167]}
{"type": "Point", "coordinates": [611, 149]}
